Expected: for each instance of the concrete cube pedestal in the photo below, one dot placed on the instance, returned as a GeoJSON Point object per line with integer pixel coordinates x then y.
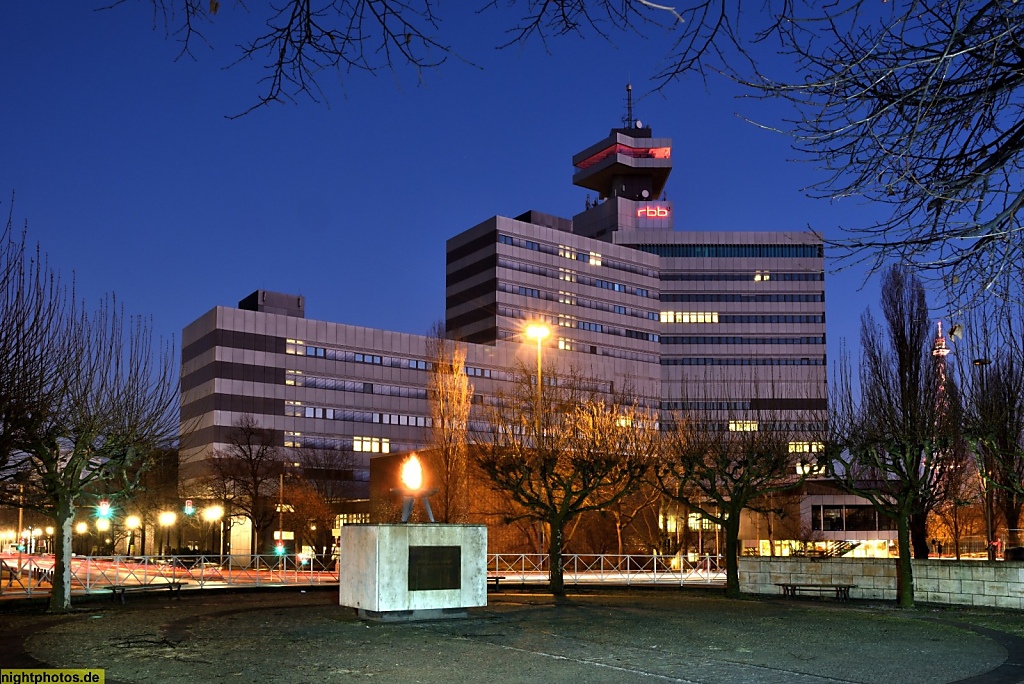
{"type": "Point", "coordinates": [413, 572]}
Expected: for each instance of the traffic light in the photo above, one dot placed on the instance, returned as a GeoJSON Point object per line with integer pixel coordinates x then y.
{"type": "Point", "coordinates": [279, 549]}
{"type": "Point", "coordinates": [189, 507]}
{"type": "Point", "coordinates": [103, 510]}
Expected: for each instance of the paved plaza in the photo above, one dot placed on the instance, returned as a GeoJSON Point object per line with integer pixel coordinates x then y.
{"type": "Point", "coordinates": [641, 635]}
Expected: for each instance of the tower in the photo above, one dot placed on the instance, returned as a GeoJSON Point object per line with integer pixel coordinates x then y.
{"type": "Point", "coordinates": [628, 170]}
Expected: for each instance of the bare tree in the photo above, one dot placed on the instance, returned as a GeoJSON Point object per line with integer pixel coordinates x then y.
{"type": "Point", "coordinates": [111, 408]}
{"type": "Point", "coordinates": [560, 450]}
{"type": "Point", "coordinates": [718, 472]}
{"type": "Point", "coordinates": [245, 474]}
{"type": "Point", "coordinates": [994, 411]}
{"type": "Point", "coordinates": [958, 511]}
{"type": "Point", "coordinates": [915, 107]}
{"type": "Point", "coordinates": [899, 436]}
{"type": "Point", "coordinates": [450, 396]}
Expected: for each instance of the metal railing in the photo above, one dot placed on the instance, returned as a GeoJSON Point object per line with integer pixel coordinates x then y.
{"type": "Point", "coordinates": [32, 575]}
{"type": "Point", "coordinates": [628, 570]}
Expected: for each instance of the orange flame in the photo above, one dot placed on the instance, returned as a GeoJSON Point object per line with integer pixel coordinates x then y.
{"type": "Point", "coordinates": [412, 473]}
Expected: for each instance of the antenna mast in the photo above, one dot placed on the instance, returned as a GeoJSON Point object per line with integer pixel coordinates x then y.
{"type": "Point", "coordinates": [628, 121]}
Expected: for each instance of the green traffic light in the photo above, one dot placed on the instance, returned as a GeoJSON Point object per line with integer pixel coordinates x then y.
{"type": "Point", "coordinates": [103, 510]}
{"type": "Point", "coordinates": [279, 549]}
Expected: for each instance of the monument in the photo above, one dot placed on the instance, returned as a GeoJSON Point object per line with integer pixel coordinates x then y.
{"type": "Point", "coordinates": [408, 571]}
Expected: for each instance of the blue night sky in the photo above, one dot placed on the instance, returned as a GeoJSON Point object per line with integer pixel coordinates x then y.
{"type": "Point", "coordinates": [129, 174]}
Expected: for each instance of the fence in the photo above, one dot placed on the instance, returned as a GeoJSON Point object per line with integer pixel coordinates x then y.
{"type": "Point", "coordinates": [33, 575]}
{"type": "Point", "coordinates": [628, 570]}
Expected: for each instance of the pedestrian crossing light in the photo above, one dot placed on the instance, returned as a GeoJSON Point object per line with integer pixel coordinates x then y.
{"type": "Point", "coordinates": [279, 549]}
{"type": "Point", "coordinates": [189, 507]}
{"type": "Point", "coordinates": [103, 510]}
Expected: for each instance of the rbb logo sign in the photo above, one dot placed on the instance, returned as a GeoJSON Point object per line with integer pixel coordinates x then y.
{"type": "Point", "coordinates": [652, 212]}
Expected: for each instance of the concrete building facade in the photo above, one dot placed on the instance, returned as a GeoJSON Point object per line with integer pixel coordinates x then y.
{"type": "Point", "coordinates": [729, 320]}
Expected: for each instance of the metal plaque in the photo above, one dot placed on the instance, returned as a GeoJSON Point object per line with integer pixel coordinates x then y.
{"type": "Point", "coordinates": [435, 567]}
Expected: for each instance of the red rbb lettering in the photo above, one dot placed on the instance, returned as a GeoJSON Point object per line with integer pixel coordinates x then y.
{"type": "Point", "coordinates": [652, 212]}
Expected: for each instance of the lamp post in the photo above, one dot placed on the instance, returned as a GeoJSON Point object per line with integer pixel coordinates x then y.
{"type": "Point", "coordinates": [279, 549]}
{"type": "Point", "coordinates": [82, 528]}
{"type": "Point", "coordinates": [132, 522]}
{"type": "Point", "coordinates": [214, 515]}
{"type": "Point", "coordinates": [166, 520]}
{"type": "Point", "coordinates": [538, 331]}
{"type": "Point", "coordinates": [981, 365]}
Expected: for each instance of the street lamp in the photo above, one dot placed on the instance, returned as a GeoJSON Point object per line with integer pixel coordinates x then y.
{"type": "Point", "coordinates": [166, 520]}
{"type": "Point", "coordinates": [132, 522]}
{"type": "Point", "coordinates": [215, 514]}
{"type": "Point", "coordinates": [279, 549]}
{"type": "Point", "coordinates": [538, 331]}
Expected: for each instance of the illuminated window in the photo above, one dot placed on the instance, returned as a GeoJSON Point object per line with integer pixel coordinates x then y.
{"type": "Point", "coordinates": [566, 298]}
{"type": "Point", "coordinates": [374, 445]}
{"type": "Point", "coordinates": [297, 347]}
{"type": "Point", "coordinates": [742, 426]}
{"type": "Point", "coordinates": [565, 343]}
{"type": "Point", "coordinates": [595, 259]}
{"type": "Point", "coordinates": [291, 377]}
{"type": "Point", "coordinates": [293, 439]}
{"type": "Point", "coordinates": [762, 276]}
{"type": "Point", "coordinates": [806, 447]}
{"type": "Point", "coordinates": [567, 321]}
{"type": "Point", "coordinates": [567, 275]}
{"type": "Point", "coordinates": [566, 252]}
{"type": "Point", "coordinates": [689, 317]}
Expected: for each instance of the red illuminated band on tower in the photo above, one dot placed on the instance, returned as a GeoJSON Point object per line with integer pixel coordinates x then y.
{"type": "Point", "coordinates": [652, 212]}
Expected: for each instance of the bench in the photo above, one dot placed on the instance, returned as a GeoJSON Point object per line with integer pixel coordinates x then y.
{"type": "Point", "coordinates": [495, 580]}
{"type": "Point", "coordinates": [791, 589]}
{"type": "Point", "coordinates": [119, 590]}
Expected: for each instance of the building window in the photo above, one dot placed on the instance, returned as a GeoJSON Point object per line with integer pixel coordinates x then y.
{"type": "Point", "coordinates": [595, 259]}
{"type": "Point", "coordinates": [565, 343]}
{"type": "Point", "coordinates": [505, 239]}
{"type": "Point", "coordinates": [742, 426]}
{"type": "Point", "coordinates": [762, 276]}
{"type": "Point", "coordinates": [566, 252]}
{"type": "Point", "coordinates": [373, 445]}
{"type": "Point", "coordinates": [566, 298]}
{"type": "Point", "coordinates": [567, 275]}
{"type": "Point", "coordinates": [806, 447]}
{"type": "Point", "coordinates": [689, 317]}
{"type": "Point", "coordinates": [531, 245]}
{"type": "Point", "coordinates": [566, 321]}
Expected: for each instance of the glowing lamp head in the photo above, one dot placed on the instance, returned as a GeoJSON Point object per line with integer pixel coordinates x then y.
{"type": "Point", "coordinates": [412, 473]}
{"type": "Point", "coordinates": [537, 331]}
{"type": "Point", "coordinates": [133, 522]}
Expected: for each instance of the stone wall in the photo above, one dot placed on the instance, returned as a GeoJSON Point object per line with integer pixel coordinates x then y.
{"type": "Point", "coordinates": [978, 583]}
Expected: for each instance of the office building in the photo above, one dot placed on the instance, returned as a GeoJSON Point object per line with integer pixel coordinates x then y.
{"type": "Point", "coordinates": [731, 320]}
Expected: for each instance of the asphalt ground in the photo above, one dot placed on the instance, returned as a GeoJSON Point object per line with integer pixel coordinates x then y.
{"type": "Point", "coordinates": [290, 636]}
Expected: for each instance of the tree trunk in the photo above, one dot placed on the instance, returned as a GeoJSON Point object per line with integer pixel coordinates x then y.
{"type": "Point", "coordinates": [905, 579]}
{"type": "Point", "coordinates": [732, 565]}
{"type": "Point", "coordinates": [64, 517]}
{"type": "Point", "coordinates": [919, 535]}
{"type": "Point", "coordinates": [555, 559]}
{"type": "Point", "coordinates": [1011, 512]}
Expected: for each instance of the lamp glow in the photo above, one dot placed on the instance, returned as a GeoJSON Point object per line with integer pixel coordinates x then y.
{"type": "Point", "coordinates": [132, 522]}
{"type": "Point", "coordinates": [537, 331]}
{"type": "Point", "coordinates": [213, 513]}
